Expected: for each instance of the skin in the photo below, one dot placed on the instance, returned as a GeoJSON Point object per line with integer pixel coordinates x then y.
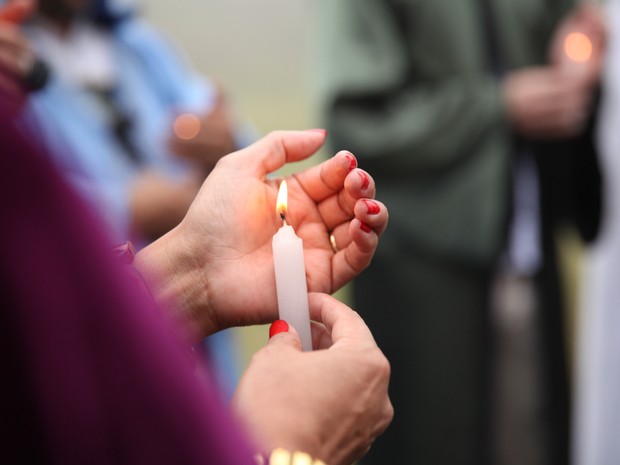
{"type": "Point", "coordinates": [339, 390]}
{"type": "Point", "coordinates": [553, 101]}
{"type": "Point", "coordinates": [214, 140]}
{"type": "Point", "coordinates": [215, 270]}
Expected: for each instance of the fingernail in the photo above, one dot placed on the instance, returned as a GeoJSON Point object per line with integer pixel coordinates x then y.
{"type": "Point", "coordinates": [321, 131]}
{"type": "Point", "coordinates": [364, 227]}
{"type": "Point", "coordinates": [372, 207]}
{"type": "Point", "coordinates": [365, 180]}
{"type": "Point", "coordinates": [352, 161]}
{"type": "Point", "coordinates": [277, 327]}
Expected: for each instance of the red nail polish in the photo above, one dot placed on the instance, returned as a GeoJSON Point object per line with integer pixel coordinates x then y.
{"type": "Point", "coordinates": [352, 161]}
{"type": "Point", "coordinates": [277, 327]}
{"type": "Point", "coordinates": [321, 131]}
{"type": "Point", "coordinates": [365, 180]}
{"type": "Point", "coordinates": [372, 206]}
{"type": "Point", "coordinates": [364, 227]}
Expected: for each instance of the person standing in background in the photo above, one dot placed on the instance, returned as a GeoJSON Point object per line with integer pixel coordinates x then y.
{"type": "Point", "coordinates": [477, 127]}
{"type": "Point", "coordinates": [108, 111]}
{"type": "Point", "coordinates": [125, 119]}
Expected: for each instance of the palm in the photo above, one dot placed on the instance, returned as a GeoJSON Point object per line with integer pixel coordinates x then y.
{"type": "Point", "coordinates": [242, 276]}
{"type": "Point", "coordinates": [235, 241]}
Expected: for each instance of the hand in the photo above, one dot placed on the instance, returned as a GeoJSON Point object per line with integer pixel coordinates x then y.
{"type": "Point", "coordinates": [338, 392]}
{"type": "Point", "coordinates": [587, 19]}
{"type": "Point", "coordinates": [212, 140]}
{"type": "Point", "coordinates": [16, 56]}
{"type": "Point", "coordinates": [544, 102]}
{"type": "Point", "coordinates": [215, 270]}
{"type": "Point", "coordinates": [158, 203]}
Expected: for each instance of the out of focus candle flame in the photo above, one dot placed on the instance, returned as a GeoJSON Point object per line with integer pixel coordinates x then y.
{"type": "Point", "coordinates": [186, 126]}
{"type": "Point", "coordinates": [578, 47]}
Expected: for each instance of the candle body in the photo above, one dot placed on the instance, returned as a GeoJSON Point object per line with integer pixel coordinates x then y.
{"type": "Point", "coordinates": [288, 260]}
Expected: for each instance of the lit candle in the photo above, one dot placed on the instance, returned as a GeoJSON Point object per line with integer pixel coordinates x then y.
{"type": "Point", "coordinates": [578, 50]}
{"type": "Point", "coordinates": [288, 261]}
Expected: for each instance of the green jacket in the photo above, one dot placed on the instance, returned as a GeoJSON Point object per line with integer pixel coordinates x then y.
{"type": "Point", "coordinates": [407, 86]}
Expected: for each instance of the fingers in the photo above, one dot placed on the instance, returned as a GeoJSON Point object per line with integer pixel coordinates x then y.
{"type": "Point", "coordinates": [283, 335]}
{"type": "Point", "coordinates": [321, 338]}
{"type": "Point", "coordinates": [327, 179]}
{"type": "Point", "coordinates": [338, 208]}
{"type": "Point", "coordinates": [372, 215]}
{"type": "Point", "coordinates": [17, 11]}
{"type": "Point", "coordinates": [345, 326]}
{"type": "Point", "coordinates": [280, 147]}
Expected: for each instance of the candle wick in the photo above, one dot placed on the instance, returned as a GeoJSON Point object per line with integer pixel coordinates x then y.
{"type": "Point", "coordinates": [283, 218]}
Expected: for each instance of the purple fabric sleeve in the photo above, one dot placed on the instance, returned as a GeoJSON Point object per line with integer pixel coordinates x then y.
{"type": "Point", "coordinates": [92, 375]}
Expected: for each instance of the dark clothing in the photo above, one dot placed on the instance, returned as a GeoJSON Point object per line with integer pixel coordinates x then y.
{"type": "Point", "coordinates": [413, 89]}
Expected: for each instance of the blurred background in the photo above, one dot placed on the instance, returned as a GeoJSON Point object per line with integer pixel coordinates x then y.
{"type": "Point", "coordinates": [262, 60]}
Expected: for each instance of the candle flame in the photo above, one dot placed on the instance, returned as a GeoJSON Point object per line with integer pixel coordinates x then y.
{"type": "Point", "coordinates": [186, 126]}
{"type": "Point", "coordinates": [578, 47]}
{"type": "Point", "coordinates": [282, 203]}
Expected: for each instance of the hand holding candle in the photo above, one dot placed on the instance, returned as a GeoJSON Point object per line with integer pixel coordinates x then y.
{"type": "Point", "coordinates": [580, 41]}
{"type": "Point", "coordinates": [227, 234]}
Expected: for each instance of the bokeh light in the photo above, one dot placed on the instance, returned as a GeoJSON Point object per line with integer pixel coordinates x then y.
{"type": "Point", "coordinates": [186, 126]}
{"type": "Point", "coordinates": [578, 47]}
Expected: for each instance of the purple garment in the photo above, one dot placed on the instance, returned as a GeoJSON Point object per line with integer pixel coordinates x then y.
{"type": "Point", "coordinates": [90, 372]}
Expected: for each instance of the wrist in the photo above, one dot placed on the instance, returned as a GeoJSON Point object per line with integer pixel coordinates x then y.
{"type": "Point", "coordinates": [176, 277]}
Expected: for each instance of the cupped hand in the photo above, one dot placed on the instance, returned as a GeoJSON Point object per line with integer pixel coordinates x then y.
{"type": "Point", "coordinates": [331, 403]}
{"type": "Point", "coordinates": [216, 268]}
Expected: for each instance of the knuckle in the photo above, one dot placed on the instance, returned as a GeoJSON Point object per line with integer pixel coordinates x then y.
{"type": "Point", "coordinates": [378, 365]}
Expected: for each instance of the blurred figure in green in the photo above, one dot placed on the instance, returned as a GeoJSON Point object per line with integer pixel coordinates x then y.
{"type": "Point", "coordinates": [474, 117]}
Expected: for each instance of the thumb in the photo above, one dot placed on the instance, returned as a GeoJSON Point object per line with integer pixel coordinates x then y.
{"type": "Point", "coordinates": [277, 148]}
{"type": "Point", "coordinates": [282, 334]}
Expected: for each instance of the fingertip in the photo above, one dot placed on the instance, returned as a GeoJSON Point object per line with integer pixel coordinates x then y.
{"type": "Point", "coordinates": [280, 332]}
{"type": "Point", "coordinates": [347, 159]}
{"type": "Point", "coordinates": [318, 131]}
{"type": "Point", "coordinates": [373, 213]}
{"type": "Point", "coordinates": [360, 184]}
{"type": "Point", "coordinates": [364, 237]}
{"type": "Point", "coordinates": [277, 327]}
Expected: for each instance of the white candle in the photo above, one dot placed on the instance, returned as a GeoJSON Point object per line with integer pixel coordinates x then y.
{"type": "Point", "coordinates": [288, 261]}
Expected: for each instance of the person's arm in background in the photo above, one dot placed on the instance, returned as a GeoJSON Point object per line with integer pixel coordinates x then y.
{"type": "Point", "coordinates": [215, 130]}
{"type": "Point", "coordinates": [377, 107]}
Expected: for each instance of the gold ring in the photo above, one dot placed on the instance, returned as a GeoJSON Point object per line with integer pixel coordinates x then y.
{"type": "Point", "coordinates": [332, 241]}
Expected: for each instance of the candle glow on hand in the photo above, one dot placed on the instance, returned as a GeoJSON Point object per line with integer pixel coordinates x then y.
{"type": "Point", "coordinates": [290, 271]}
